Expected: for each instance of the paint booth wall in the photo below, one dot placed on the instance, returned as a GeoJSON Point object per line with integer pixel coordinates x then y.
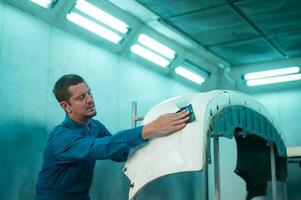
{"type": "Point", "coordinates": [285, 107]}
{"type": "Point", "coordinates": [33, 55]}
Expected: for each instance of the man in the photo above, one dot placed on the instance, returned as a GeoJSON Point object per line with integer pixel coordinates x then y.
{"type": "Point", "coordinates": [75, 144]}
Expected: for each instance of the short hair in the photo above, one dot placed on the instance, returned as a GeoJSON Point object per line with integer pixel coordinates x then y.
{"type": "Point", "coordinates": [61, 86]}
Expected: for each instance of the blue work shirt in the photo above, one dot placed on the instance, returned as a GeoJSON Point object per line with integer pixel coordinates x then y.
{"type": "Point", "coordinates": [70, 155]}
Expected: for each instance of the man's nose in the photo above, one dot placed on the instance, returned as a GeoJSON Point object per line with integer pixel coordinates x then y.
{"type": "Point", "coordinates": [89, 98]}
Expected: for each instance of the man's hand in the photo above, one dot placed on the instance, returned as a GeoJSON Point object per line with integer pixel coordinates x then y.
{"type": "Point", "coordinates": [165, 124]}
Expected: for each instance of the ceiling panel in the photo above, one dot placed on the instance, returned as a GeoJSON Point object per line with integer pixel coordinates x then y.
{"type": "Point", "coordinates": [273, 16]}
{"type": "Point", "coordinates": [246, 52]}
{"type": "Point", "coordinates": [169, 8]}
{"type": "Point", "coordinates": [238, 31]}
{"type": "Point", "coordinates": [229, 28]}
{"type": "Point", "coordinates": [213, 26]}
{"type": "Point", "coordinates": [289, 43]}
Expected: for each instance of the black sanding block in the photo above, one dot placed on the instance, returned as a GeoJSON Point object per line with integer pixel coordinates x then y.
{"type": "Point", "coordinates": [191, 113]}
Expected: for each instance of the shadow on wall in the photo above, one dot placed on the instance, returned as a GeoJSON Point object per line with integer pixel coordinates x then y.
{"type": "Point", "coordinates": [111, 184]}
{"type": "Point", "coordinates": [294, 179]}
{"type": "Point", "coordinates": [21, 148]}
{"type": "Point", "coordinates": [179, 186]}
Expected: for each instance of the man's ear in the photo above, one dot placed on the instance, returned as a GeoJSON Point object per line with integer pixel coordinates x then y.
{"type": "Point", "coordinates": [65, 105]}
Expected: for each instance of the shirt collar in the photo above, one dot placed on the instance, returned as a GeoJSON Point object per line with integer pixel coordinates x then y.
{"type": "Point", "coordinates": [73, 124]}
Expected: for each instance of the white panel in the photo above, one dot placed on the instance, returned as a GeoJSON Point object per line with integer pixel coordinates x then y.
{"type": "Point", "coordinates": [184, 150]}
{"type": "Point", "coordinates": [172, 152]}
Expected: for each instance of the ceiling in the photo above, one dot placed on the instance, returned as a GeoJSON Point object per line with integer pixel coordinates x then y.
{"type": "Point", "coordinates": [236, 32]}
{"type": "Point", "coordinates": [240, 32]}
{"type": "Point", "coordinates": [236, 36]}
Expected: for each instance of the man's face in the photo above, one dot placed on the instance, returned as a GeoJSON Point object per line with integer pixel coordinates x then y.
{"type": "Point", "coordinates": [80, 106]}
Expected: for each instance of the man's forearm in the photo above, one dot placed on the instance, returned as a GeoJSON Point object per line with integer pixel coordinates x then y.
{"type": "Point", "coordinates": [147, 131]}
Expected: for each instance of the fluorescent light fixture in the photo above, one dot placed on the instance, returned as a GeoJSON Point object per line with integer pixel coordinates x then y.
{"type": "Point", "coordinates": [182, 71]}
{"type": "Point", "coordinates": [102, 16]}
{"type": "Point", "coordinates": [276, 79]}
{"type": "Point", "coordinates": [149, 55]}
{"type": "Point", "coordinates": [156, 46]}
{"type": "Point", "coordinates": [45, 3]}
{"type": "Point", "coordinates": [271, 73]}
{"type": "Point", "coordinates": [94, 27]}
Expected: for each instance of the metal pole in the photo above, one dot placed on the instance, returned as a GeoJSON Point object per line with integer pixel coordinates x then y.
{"type": "Point", "coordinates": [134, 113]}
{"type": "Point", "coordinates": [135, 118]}
{"type": "Point", "coordinates": [207, 161]}
{"type": "Point", "coordinates": [206, 197]}
{"type": "Point", "coordinates": [273, 171]}
{"type": "Point", "coordinates": [216, 168]}
{"type": "Point", "coordinates": [285, 191]}
{"type": "Point", "coordinates": [206, 168]}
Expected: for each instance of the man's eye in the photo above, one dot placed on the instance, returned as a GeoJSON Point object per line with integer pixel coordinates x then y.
{"type": "Point", "coordinates": [81, 97]}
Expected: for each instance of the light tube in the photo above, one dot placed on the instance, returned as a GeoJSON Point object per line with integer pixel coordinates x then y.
{"type": "Point", "coordinates": [43, 3]}
{"type": "Point", "coordinates": [189, 75]}
{"type": "Point", "coordinates": [271, 73]}
{"type": "Point", "coordinates": [156, 46]}
{"type": "Point", "coordinates": [149, 55]}
{"type": "Point", "coordinates": [94, 27]}
{"type": "Point", "coordinates": [101, 16]}
{"type": "Point", "coordinates": [276, 79]}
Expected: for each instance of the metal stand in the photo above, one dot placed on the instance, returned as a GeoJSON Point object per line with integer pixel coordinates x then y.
{"type": "Point", "coordinates": [217, 170]}
{"type": "Point", "coordinates": [208, 161]}
{"type": "Point", "coordinates": [217, 189]}
{"type": "Point", "coordinates": [216, 167]}
{"type": "Point", "coordinates": [285, 191]}
{"type": "Point", "coordinates": [273, 172]}
{"type": "Point", "coordinates": [206, 188]}
{"type": "Point", "coordinates": [135, 118]}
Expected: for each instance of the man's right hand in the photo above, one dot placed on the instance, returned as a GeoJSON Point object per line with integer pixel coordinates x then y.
{"type": "Point", "coordinates": [165, 124]}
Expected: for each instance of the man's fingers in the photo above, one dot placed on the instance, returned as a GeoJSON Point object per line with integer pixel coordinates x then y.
{"type": "Point", "coordinates": [180, 126]}
{"type": "Point", "coordinates": [181, 121]}
{"type": "Point", "coordinates": [177, 127]}
{"type": "Point", "coordinates": [181, 115]}
{"type": "Point", "coordinates": [171, 122]}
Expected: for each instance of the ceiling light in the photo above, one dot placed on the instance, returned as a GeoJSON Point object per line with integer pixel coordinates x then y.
{"type": "Point", "coordinates": [98, 21]}
{"type": "Point", "coordinates": [94, 27]}
{"type": "Point", "coordinates": [153, 51]}
{"type": "Point", "coordinates": [156, 46]}
{"type": "Point", "coordinates": [271, 73]}
{"type": "Point", "coordinates": [188, 74]}
{"type": "Point", "coordinates": [45, 3]}
{"type": "Point", "coordinates": [276, 79]}
{"type": "Point", "coordinates": [149, 55]}
{"type": "Point", "coordinates": [102, 16]}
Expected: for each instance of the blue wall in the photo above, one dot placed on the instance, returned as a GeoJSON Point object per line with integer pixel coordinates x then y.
{"type": "Point", "coordinates": [285, 107]}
